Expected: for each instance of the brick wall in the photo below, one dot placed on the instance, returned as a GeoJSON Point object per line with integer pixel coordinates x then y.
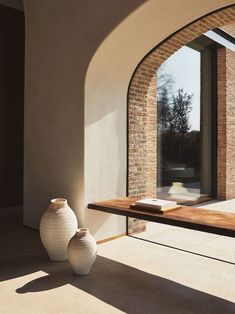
{"type": "Point", "coordinates": [226, 124]}
{"type": "Point", "coordinates": [221, 141]}
{"type": "Point", "coordinates": [142, 100]}
{"type": "Point", "coordinates": [142, 150]}
{"type": "Point", "coordinates": [230, 29]}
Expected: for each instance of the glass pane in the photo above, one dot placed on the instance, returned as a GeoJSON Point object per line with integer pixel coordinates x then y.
{"type": "Point", "coordinates": [183, 154]}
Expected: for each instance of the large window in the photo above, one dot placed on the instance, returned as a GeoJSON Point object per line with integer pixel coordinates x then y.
{"type": "Point", "coordinates": [184, 150]}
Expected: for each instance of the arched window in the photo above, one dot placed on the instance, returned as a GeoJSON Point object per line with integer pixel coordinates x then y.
{"type": "Point", "coordinates": [201, 167]}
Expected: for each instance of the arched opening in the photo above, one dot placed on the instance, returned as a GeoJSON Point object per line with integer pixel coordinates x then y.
{"type": "Point", "coordinates": [106, 99]}
{"type": "Point", "coordinates": [143, 157]}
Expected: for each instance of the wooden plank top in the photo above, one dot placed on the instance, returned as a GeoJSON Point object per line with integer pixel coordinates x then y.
{"type": "Point", "coordinates": [202, 219]}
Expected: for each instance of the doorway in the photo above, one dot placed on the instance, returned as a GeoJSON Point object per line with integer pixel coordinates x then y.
{"type": "Point", "coordinates": [12, 35]}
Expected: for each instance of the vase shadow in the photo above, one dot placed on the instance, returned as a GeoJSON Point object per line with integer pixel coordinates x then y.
{"type": "Point", "coordinates": [131, 290]}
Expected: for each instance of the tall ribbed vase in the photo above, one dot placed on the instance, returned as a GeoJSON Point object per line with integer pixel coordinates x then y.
{"type": "Point", "coordinates": [57, 226]}
{"type": "Point", "coordinates": [82, 251]}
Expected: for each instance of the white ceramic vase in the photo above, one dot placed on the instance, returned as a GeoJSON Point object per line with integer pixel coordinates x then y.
{"type": "Point", "coordinates": [82, 251]}
{"type": "Point", "coordinates": [177, 187]}
{"type": "Point", "coordinates": [57, 226]}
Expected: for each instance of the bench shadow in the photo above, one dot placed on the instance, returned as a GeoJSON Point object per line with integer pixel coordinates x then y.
{"type": "Point", "coordinates": [131, 290]}
{"type": "Point", "coordinates": [125, 288]}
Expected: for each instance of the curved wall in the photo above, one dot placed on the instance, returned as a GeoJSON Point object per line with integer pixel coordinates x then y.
{"type": "Point", "coordinates": [72, 46]}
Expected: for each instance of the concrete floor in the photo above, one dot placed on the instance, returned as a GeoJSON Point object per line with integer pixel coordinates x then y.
{"type": "Point", "coordinates": [129, 276]}
{"type": "Point", "coordinates": [225, 206]}
{"type": "Point", "coordinates": [191, 241]}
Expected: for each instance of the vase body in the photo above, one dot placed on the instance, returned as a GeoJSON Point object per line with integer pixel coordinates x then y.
{"type": "Point", "coordinates": [57, 226]}
{"type": "Point", "coordinates": [82, 251]}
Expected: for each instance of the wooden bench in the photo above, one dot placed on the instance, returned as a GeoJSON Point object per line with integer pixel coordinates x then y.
{"type": "Point", "coordinates": [201, 219]}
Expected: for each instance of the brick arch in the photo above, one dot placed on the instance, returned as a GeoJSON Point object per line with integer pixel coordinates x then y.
{"type": "Point", "coordinates": [142, 114]}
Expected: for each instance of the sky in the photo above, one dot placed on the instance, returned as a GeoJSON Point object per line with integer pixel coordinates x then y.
{"type": "Point", "coordinates": [184, 67]}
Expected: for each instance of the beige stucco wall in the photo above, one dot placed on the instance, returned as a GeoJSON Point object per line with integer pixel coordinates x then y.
{"type": "Point", "coordinates": [61, 38]}
{"type": "Point", "coordinates": [81, 55]}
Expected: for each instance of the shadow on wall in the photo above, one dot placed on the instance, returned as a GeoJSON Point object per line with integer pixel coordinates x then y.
{"type": "Point", "coordinates": [106, 87]}
{"type": "Point", "coordinates": [62, 41]}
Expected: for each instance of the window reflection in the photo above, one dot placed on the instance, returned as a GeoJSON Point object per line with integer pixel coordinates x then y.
{"type": "Point", "coordinates": [184, 127]}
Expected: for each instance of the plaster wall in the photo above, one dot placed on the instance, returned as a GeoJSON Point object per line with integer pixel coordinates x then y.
{"type": "Point", "coordinates": [61, 38]}
{"type": "Point", "coordinates": [77, 48]}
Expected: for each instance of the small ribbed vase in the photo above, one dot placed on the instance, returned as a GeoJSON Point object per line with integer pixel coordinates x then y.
{"type": "Point", "coordinates": [82, 251]}
{"type": "Point", "coordinates": [57, 226]}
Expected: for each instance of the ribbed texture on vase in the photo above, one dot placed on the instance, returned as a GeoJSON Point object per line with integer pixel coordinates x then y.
{"type": "Point", "coordinates": [58, 225]}
{"type": "Point", "coordinates": [82, 251]}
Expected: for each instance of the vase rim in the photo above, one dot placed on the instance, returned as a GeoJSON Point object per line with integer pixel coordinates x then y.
{"type": "Point", "coordinates": [58, 200]}
{"type": "Point", "coordinates": [57, 203]}
{"type": "Point", "coordinates": [82, 231]}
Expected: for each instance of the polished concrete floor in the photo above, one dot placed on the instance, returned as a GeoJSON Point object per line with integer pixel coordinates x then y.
{"type": "Point", "coordinates": [129, 276]}
{"type": "Point", "coordinates": [191, 241]}
{"type": "Point", "coordinates": [225, 206]}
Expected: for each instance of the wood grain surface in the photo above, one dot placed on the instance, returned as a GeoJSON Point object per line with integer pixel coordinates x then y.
{"type": "Point", "coordinates": [202, 219]}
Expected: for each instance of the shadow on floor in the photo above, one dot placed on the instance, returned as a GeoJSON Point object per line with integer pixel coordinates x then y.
{"type": "Point", "coordinates": [21, 249]}
{"type": "Point", "coordinates": [131, 290]}
{"type": "Point", "coordinates": [125, 288]}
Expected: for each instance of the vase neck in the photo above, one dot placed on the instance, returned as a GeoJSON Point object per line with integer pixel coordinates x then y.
{"type": "Point", "coordinates": [82, 232]}
{"type": "Point", "coordinates": [57, 203]}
